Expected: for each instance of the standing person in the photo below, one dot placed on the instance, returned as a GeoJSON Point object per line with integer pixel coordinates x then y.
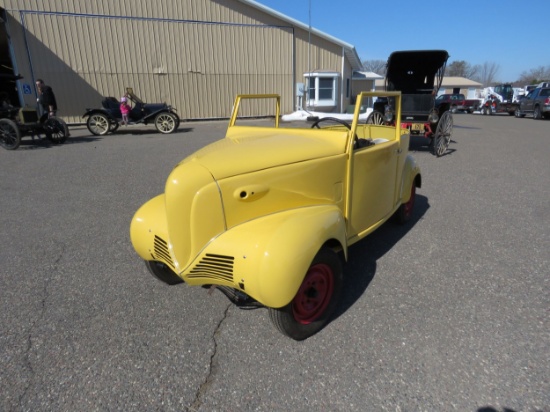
{"type": "Point", "coordinates": [46, 98]}
{"type": "Point", "coordinates": [125, 110]}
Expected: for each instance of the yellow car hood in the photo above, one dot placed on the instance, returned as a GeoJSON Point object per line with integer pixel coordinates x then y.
{"type": "Point", "coordinates": [242, 152]}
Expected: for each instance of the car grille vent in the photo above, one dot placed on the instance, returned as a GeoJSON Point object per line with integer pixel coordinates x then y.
{"type": "Point", "coordinates": [212, 266]}
{"type": "Point", "coordinates": [162, 253]}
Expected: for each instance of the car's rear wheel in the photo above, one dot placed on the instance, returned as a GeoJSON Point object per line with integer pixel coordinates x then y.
{"type": "Point", "coordinates": [375, 118]}
{"type": "Point", "coordinates": [162, 272]}
{"type": "Point", "coordinates": [405, 211]}
{"type": "Point", "coordinates": [10, 135]}
{"type": "Point", "coordinates": [166, 122]}
{"type": "Point", "coordinates": [315, 301]}
{"type": "Point", "coordinates": [98, 124]}
{"type": "Point", "coordinates": [443, 134]}
{"type": "Point", "coordinates": [113, 126]}
{"type": "Point", "coordinates": [537, 114]}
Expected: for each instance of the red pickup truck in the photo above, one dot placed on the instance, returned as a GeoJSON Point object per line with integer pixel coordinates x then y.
{"type": "Point", "coordinates": [457, 102]}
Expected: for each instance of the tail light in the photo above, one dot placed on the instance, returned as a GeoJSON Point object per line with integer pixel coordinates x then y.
{"type": "Point", "coordinates": [547, 101]}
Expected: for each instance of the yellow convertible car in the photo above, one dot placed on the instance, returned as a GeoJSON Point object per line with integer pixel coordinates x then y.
{"type": "Point", "coordinates": [266, 215]}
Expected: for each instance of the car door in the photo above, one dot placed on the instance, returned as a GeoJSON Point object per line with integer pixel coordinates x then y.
{"type": "Point", "coordinates": [373, 185]}
{"type": "Point", "coordinates": [528, 102]}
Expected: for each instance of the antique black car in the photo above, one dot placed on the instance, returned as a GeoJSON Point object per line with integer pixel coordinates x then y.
{"type": "Point", "coordinates": [109, 118]}
{"type": "Point", "coordinates": [18, 122]}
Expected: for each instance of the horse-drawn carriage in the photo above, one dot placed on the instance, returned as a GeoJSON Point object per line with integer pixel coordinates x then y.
{"type": "Point", "coordinates": [418, 75]}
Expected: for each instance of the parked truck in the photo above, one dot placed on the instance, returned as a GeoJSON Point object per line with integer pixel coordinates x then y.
{"type": "Point", "coordinates": [501, 98]}
{"type": "Point", "coordinates": [457, 102]}
{"type": "Point", "coordinates": [537, 103]}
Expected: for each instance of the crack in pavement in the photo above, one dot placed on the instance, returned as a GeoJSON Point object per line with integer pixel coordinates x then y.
{"type": "Point", "coordinates": [48, 276]}
{"type": "Point", "coordinates": [205, 385]}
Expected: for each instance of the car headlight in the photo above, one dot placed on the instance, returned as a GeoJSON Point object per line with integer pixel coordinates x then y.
{"type": "Point", "coordinates": [433, 117]}
{"type": "Point", "coordinates": [388, 114]}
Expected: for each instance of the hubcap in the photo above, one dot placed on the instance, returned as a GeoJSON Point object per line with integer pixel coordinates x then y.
{"type": "Point", "coordinates": [165, 123]}
{"type": "Point", "coordinates": [314, 294]}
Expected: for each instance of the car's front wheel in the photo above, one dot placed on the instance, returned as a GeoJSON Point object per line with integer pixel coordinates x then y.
{"type": "Point", "coordinates": [56, 130]}
{"type": "Point", "coordinates": [166, 122]}
{"type": "Point", "coordinates": [315, 300]}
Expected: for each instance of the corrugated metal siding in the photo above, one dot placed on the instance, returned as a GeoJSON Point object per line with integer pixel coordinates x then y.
{"type": "Point", "coordinates": [196, 67]}
{"type": "Point", "coordinates": [166, 50]}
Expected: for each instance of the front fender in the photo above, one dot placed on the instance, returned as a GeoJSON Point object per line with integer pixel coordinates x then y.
{"type": "Point", "coordinates": [267, 258]}
{"type": "Point", "coordinates": [149, 232]}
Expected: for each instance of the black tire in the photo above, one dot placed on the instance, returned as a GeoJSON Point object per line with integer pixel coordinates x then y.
{"type": "Point", "coordinates": [166, 122]}
{"type": "Point", "coordinates": [10, 135]}
{"type": "Point", "coordinates": [113, 127]}
{"type": "Point", "coordinates": [443, 134]}
{"type": "Point", "coordinates": [98, 124]}
{"type": "Point", "coordinates": [375, 118]}
{"type": "Point", "coordinates": [56, 130]}
{"type": "Point", "coordinates": [518, 113]}
{"type": "Point", "coordinates": [316, 299]}
{"type": "Point", "coordinates": [537, 114]}
{"type": "Point", "coordinates": [162, 272]}
{"type": "Point", "coordinates": [405, 211]}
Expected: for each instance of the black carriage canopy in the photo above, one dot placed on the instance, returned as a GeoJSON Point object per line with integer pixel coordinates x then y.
{"type": "Point", "coordinates": [416, 71]}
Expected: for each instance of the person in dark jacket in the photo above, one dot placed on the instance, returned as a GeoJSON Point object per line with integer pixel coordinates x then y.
{"type": "Point", "coordinates": [46, 98]}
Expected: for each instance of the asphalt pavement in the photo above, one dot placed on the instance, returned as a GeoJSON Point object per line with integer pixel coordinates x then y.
{"type": "Point", "coordinates": [448, 313]}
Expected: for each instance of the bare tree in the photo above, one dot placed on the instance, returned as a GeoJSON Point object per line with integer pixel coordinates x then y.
{"type": "Point", "coordinates": [461, 68]}
{"type": "Point", "coordinates": [535, 76]}
{"type": "Point", "coordinates": [375, 66]}
{"type": "Point", "coordinates": [488, 73]}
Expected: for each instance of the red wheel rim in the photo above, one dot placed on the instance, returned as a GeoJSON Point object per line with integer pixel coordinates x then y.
{"type": "Point", "coordinates": [314, 294]}
{"type": "Point", "coordinates": [409, 206]}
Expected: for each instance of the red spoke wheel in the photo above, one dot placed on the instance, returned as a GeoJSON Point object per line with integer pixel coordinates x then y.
{"type": "Point", "coordinates": [316, 298]}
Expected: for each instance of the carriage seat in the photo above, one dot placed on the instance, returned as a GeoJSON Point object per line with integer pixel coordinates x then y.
{"type": "Point", "coordinates": [110, 103]}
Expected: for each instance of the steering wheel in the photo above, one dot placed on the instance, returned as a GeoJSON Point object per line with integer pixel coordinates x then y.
{"type": "Point", "coordinates": [339, 121]}
{"type": "Point", "coordinates": [330, 119]}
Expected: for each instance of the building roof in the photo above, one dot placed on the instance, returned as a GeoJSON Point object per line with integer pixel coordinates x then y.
{"type": "Point", "coordinates": [452, 81]}
{"type": "Point", "coordinates": [360, 75]}
{"type": "Point", "coordinates": [349, 50]}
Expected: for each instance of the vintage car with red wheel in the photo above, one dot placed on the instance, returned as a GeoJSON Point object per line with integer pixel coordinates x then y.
{"type": "Point", "coordinates": [266, 214]}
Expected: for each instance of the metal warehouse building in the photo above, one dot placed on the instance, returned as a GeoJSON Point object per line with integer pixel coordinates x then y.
{"type": "Point", "coordinates": [195, 55]}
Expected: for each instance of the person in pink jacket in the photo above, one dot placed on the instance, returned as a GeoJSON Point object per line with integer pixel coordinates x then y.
{"type": "Point", "coordinates": [125, 110]}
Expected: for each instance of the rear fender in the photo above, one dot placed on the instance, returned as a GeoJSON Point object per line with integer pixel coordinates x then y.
{"type": "Point", "coordinates": [411, 174]}
{"type": "Point", "coordinates": [90, 112]}
{"type": "Point", "coordinates": [267, 258]}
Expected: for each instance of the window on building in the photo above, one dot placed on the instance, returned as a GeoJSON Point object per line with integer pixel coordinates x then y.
{"type": "Point", "coordinates": [322, 89]}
